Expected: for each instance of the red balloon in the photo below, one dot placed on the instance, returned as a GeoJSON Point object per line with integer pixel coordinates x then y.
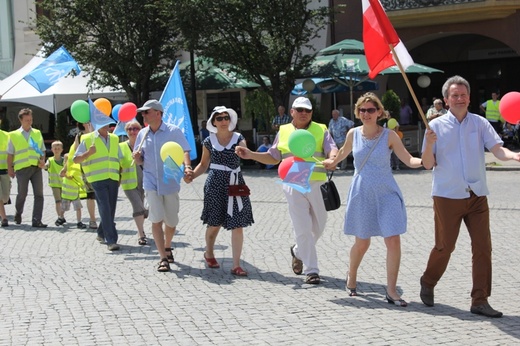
{"type": "Point", "coordinates": [286, 164]}
{"type": "Point", "coordinates": [127, 112]}
{"type": "Point", "coordinates": [510, 107]}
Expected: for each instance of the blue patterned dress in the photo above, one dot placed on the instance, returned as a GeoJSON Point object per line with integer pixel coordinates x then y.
{"type": "Point", "coordinates": [375, 204]}
{"type": "Point", "coordinates": [217, 204]}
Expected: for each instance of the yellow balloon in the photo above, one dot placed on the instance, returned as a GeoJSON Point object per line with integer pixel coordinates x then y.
{"type": "Point", "coordinates": [173, 150]}
{"type": "Point", "coordinates": [103, 105]}
{"type": "Point", "coordinates": [392, 124]}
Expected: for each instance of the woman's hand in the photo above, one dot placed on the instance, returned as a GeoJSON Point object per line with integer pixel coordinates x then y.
{"type": "Point", "coordinates": [329, 164]}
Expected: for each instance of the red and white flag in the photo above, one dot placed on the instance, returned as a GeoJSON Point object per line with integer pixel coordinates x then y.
{"type": "Point", "coordinates": [378, 35]}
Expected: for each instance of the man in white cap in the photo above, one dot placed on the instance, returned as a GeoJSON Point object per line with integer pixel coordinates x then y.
{"type": "Point", "coordinates": [163, 198]}
{"type": "Point", "coordinates": [307, 210]}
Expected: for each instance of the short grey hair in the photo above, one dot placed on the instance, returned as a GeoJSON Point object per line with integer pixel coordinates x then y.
{"type": "Point", "coordinates": [454, 80]}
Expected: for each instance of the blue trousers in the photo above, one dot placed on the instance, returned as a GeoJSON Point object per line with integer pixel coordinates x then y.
{"type": "Point", "coordinates": [106, 198]}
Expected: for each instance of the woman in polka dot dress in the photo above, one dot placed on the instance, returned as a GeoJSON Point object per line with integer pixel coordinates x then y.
{"type": "Point", "coordinates": [220, 209]}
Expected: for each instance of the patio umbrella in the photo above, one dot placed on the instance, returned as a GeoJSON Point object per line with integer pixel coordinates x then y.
{"type": "Point", "coordinates": [210, 76]}
{"type": "Point", "coordinates": [346, 60]}
{"type": "Point", "coordinates": [335, 85]}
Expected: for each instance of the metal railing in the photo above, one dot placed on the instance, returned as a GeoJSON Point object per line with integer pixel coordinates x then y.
{"type": "Point", "coordinates": [398, 5]}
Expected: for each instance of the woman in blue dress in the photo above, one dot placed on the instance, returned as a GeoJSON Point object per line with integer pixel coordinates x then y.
{"type": "Point", "coordinates": [375, 204]}
{"type": "Point", "coordinates": [221, 209]}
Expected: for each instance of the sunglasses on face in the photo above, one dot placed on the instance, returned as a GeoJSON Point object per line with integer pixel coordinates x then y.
{"type": "Point", "coordinates": [147, 111]}
{"type": "Point", "coordinates": [301, 110]}
{"type": "Point", "coordinates": [225, 117]}
{"type": "Point", "coordinates": [132, 129]}
{"type": "Point", "coordinates": [368, 110]}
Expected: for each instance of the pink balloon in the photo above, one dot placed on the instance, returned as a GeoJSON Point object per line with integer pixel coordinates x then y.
{"type": "Point", "coordinates": [127, 112]}
{"type": "Point", "coordinates": [510, 107]}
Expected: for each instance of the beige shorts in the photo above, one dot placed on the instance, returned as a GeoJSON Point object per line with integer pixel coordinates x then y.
{"type": "Point", "coordinates": [5, 188]}
{"type": "Point", "coordinates": [163, 208]}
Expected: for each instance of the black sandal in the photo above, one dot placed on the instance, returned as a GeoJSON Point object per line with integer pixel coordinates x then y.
{"type": "Point", "coordinates": [352, 292]}
{"type": "Point", "coordinates": [142, 241]}
{"type": "Point", "coordinates": [164, 266]}
{"type": "Point", "coordinates": [170, 256]}
{"type": "Point", "coordinates": [312, 279]}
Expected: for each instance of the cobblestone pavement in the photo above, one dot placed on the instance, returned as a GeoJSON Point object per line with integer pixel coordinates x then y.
{"type": "Point", "coordinates": [59, 286]}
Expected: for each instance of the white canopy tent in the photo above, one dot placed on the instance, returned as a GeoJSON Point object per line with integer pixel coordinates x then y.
{"type": "Point", "coordinates": [14, 89]}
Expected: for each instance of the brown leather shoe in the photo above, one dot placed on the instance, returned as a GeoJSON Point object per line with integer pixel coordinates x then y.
{"type": "Point", "coordinates": [485, 310]}
{"type": "Point", "coordinates": [427, 296]}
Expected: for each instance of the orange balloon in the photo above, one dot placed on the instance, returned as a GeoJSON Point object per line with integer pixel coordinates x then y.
{"type": "Point", "coordinates": [103, 105]}
{"type": "Point", "coordinates": [400, 134]}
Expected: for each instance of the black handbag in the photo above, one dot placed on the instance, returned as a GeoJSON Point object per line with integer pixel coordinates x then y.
{"type": "Point", "coordinates": [330, 194]}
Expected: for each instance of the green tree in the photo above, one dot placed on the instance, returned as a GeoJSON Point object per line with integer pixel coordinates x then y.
{"type": "Point", "coordinates": [121, 43]}
{"type": "Point", "coordinates": [261, 37]}
{"type": "Point", "coordinates": [392, 103]}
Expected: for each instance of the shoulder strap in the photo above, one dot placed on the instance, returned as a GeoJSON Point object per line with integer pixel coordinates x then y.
{"type": "Point", "coordinates": [370, 152]}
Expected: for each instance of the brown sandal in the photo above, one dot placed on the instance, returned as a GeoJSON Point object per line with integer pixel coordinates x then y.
{"type": "Point", "coordinates": [170, 256]}
{"type": "Point", "coordinates": [297, 264]}
{"type": "Point", "coordinates": [164, 266]}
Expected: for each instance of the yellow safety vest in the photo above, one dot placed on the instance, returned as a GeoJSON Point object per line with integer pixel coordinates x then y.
{"type": "Point", "coordinates": [492, 111]}
{"type": "Point", "coordinates": [4, 139]}
{"type": "Point", "coordinates": [24, 155]}
{"type": "Point", "coordinates": [104, 164]}
{"type": "Point", "coordinates": [73, 185]}
{"type": "Point", "coordinates": [319, 173]}
{"type": "Point", "coordinates": [128, 170]}
{"type": "Point", "coordinates": [54, 170]}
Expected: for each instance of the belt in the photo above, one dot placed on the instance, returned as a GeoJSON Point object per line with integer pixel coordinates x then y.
{"type": "Point", "coordinates": [233, 180]}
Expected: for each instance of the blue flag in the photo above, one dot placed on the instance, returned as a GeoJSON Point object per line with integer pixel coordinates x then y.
{"type": "Point", "coordinates": [97, 118]}
{"type": "Point", "coordinates": [35, 146]}
{"type": "Point", "coordinates": [119, 130]}
{"type": "Point", "coordinates": [299, 175]}
{"type": "Point", "coordinates": [51, 70]}
{"type": "Point", "coordinates": [175, 107]}
{"type": "Point", "coordinates": [172, 171]}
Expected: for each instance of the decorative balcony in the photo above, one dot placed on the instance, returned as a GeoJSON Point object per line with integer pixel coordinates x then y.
{"type": "Point", "coordinates": [411, 13]}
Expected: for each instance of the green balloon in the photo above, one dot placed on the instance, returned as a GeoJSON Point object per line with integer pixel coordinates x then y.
{"type": "Point", "coordinates": [80, 111]}
{"type": "Point", "coordinates": [302, 144]}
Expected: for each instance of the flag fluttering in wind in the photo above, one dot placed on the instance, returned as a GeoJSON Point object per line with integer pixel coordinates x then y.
{"type": "Point", "coordinates": [51, 70]}
{"type": "Point", "coordinates": [119, 130]}
{"type": "Point", "coordinates": [97, 118]}
{"type": "Point", "coordinates": [378, 35]}
{"type": "Point", "coordinates": [299, 175]}
{"type": "Point", "coordinates": [35, 146]}
{"type": "Point", "coordinates": [172, 171]}
{"type": "Point", "coordinates": [175, 107]}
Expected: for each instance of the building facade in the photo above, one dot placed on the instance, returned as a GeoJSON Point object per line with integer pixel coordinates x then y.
{"type": "Point", "coordinates": [477, 39]}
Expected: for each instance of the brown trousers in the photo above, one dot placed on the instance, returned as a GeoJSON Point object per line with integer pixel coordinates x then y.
{"type": "Point", "coordinates": [449, 214]}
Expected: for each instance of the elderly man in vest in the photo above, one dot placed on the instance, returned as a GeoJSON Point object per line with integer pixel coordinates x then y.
{"type": "Point", "coordinates": [5, 181]}
{"type": "Point", "coordinates": [99, 154]}
{"type": "Point", "coordinates": [25, 160]}
{"type": "Point", "coordinates": [491, 108]}
{"type": "Point", "coordinates": [307, 210]}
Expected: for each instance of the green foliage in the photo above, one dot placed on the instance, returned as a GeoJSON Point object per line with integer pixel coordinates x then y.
{"type": "Point", "coordinates": [392, 103]}
{"type": "Point", "coordinates": [61, 132]}
{"type": "Point", "coordinates": [119, 42]}
{"type": "Point", "coordinates": [262, 37]}
{"type": "Point", "coordinates": [259, 106]}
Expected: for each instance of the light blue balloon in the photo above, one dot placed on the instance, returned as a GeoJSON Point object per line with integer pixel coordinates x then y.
{"type": "Point", "coordinates": [115, 112]}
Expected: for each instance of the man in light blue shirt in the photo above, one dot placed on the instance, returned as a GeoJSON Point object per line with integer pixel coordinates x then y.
{"type": "Point", "coordinates": [338, 128]}
{"type": "Point", "coordinates": [163, 198]}
{"type": "Point", "coordinates": [454, 148]}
